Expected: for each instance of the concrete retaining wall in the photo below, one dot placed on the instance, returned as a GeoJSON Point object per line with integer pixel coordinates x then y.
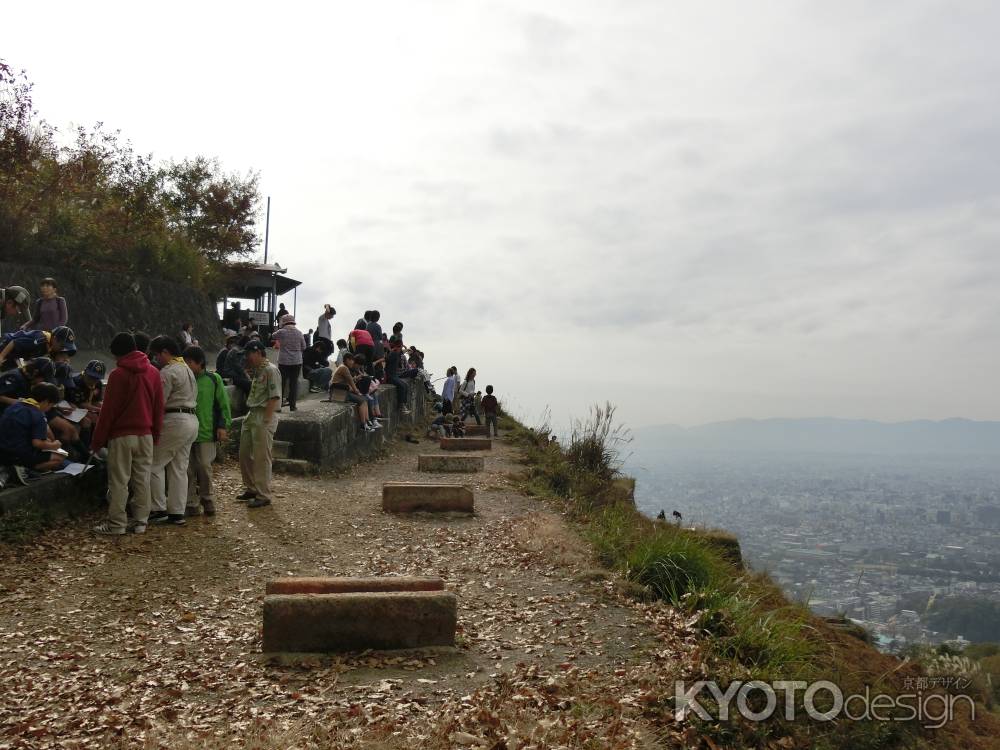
{"type": "Point", "coordinates": [327, 434]}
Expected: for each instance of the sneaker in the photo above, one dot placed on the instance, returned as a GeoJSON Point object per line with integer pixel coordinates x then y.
{"type": "Point", "coordinates": [314, 389]}
{"type": "Point", "coordinates": [192, 510]}
{"type": "Point", "coordinates": [175, 519]}
{"type": "Point", "coordinates": [209, 507]}
{"type": "Point", "coordinates": [247, 495]}
{"type": "Point", "coordinates": [21, 472]}
{"type": "Point", "coordinates": [258, 502]}
{"type": "Point", "coordinates": [406, 412]}
{"type": "Point", "coordinates": [106, 529]}
{"type": "Point", "coordinates": [293, 408]}
{"type": "Point", "coordinates": [376, 425]}
{"type": "Point", "coordinates": [158, 516]}
{"type": "Point", "coordinates": [369, 428]}
{"type": "Point", "coordinates": [134, 527]}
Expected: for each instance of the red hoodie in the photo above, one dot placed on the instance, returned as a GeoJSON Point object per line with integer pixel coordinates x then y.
{"type": "Point", "coordinates": [133, 402]}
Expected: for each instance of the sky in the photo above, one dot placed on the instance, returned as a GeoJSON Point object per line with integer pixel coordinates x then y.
{"type": "Point", "coordinates": [695, 210]}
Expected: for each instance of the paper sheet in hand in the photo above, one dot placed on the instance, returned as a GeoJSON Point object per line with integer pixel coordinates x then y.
{"type": "Point", "coordinates": [74, 469]}
{"type": "Point", "coordinates": [74, 416]}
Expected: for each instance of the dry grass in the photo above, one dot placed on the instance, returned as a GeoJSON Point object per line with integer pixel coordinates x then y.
{"type": "Point", "coordinates": [546, 534]}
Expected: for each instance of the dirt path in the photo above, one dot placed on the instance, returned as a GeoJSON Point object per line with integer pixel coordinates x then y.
{"type": "Point", "coordinates": [156, 639]}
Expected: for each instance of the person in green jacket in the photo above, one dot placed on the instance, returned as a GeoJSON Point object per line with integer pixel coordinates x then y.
{"type": "Point", "coordinates": [214, 420]}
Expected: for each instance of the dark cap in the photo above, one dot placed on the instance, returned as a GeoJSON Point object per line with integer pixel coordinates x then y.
{"type": "Point", "coordinates": [255, 346]}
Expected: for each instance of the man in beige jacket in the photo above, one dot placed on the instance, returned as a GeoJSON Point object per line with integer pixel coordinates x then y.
{"type": "Point", "coordinates": [168, 478]}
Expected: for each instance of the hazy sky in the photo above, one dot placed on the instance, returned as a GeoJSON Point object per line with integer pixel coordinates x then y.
{"type": "Point", "coordinates": [698, 211]}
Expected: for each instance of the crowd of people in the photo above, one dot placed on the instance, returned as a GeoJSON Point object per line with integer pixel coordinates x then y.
{"type": "Point", "coordinates": [158, 417]}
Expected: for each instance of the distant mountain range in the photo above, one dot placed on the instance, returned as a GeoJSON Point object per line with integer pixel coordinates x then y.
{"type": "Point", "coordinates": [827, 435]}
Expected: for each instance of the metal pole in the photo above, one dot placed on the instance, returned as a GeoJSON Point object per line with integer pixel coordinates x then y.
{"type": "Point", "coordinates": [295, 303]}
{"type": "Point", "coordinates": [267, 228]}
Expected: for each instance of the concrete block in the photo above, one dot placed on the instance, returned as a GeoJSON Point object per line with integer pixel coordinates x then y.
{"type": "Point", "coordinates": [466, 444]}
{"type": "Point", "coordinates": [282, 449]}
{"type": "Point", "coordinates": [449, 463]}
{"type": "Point", "coordinates": [293, 466]}
{"type": "Point", "coordinates": [476, 430]}
{"type": "Point", "coordinates": [408, 497]}
{"type": "Point", "coordinates": [359, 620]}
{"type": "Point", "coordinates": [344, 585]}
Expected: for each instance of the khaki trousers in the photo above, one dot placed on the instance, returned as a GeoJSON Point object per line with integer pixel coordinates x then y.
{"type": "Point", "coordinates": [169, 473]}
{"type": "Point", "coordinates": [257, 452]}
{"type": "Point", "coordinates": [129, 460]}
{"type": "Point", "coordinates": [200, 474]}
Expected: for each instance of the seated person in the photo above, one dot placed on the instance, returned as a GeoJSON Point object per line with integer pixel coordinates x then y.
{"type": "Point", "coordinates": [25, 438]}
{"type": "Point", "coordinates": [17, 384]}
{"type": "Point", "coordinates": [458, 427]}
{"type": "Point", "coordinates": [316, 365]}
{"type": "Point", "coordinates": [344, 389]}
{"type": "Point", "coordinates": [87, 389]}
{"type": "Point", "coordinates": [233, 366]}
{"type": "Point", "coordinates": [32, 344]}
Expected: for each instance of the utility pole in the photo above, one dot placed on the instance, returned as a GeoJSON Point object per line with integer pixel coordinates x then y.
{"type": "Point", "coordinates": [267, 228]}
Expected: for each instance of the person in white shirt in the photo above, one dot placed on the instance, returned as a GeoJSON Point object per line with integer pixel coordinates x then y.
{"type": "Point", "coordinates": [324, 326]}
{"type": "Point", "coordinates": [468, 395]}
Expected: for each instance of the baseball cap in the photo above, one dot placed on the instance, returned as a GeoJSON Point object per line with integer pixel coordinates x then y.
{"type": "Point", "coordinates": [95, 369]}
{"type": "Point", "coordinates": [255, 346]}
{"type": "Point", "coordinates": [19, 296]}
{"type": "Point", "coordinates": [42, 366]}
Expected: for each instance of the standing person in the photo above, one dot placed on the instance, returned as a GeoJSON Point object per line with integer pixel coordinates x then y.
{"type": "Point", "coordinates": [214, 420]}
{"type": "Point", "coordinates": [392, 372]}
{"type": "Point", "coordinates": [187, 336]}
{"type": "Point", "coordinates": [129, 425]}
{"type": "Point", "coordinates": [324, 326]}
{"type": "Point", "coordinates": [448, 391]}
{"type": "Point", "coordinates": [376, 333]}
{"type": "Point", "coordinates": [282, 312]}
{"type": "Point", "coordinates": [468, 395]}
{"type": "Point", "coordinates": [308, 336]}
{"type": "Point", "coordinates": [259, 426]}
{"type": "Point", "coordinates": [50, 309]}
{"type": "Point", "coordinates": [169, 472]}
{"type": "Point", "coordinates": [490, 409]}
{"type": "Point", "coordinates": [397, 332]}
{"type": "Point", "coordinates": [290, 343]}
{"type": "Point", "coordinates": [13, 302]}
{"type": "Point", "coordinates": [361, 343]}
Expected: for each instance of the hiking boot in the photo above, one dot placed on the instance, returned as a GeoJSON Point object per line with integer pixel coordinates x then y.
{"type": "Point", "coordinates": [258, 502]}
{"type": "Point", "coordinates": [158, 516]}
{"type": "Point", "coordinates": [192, 510]}
{"type": "Point", "coordinates": [209, 507]}
{"type": "Point", "coordinates": [247, 495]}
{"type": "Point", "coordinates": [106, 529]}
{"type": "Point", "coordinates": [134, 527]}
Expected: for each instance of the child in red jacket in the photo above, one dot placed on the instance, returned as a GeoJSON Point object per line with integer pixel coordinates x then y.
{"type": "Point", "coordinates": [130, 423]}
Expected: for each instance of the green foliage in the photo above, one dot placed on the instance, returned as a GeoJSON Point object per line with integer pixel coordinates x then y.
{"type": "Point", "coordinates": [975, 619]}
{"type": "Point", "coordinates": [97, 204]}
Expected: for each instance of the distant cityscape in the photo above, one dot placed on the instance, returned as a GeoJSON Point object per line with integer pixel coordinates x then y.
{"type": "Point", "coordinates": [907, 546]}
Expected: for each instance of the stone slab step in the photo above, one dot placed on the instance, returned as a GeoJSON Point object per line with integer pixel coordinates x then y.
{"type": "Point", "coordinates": [476, 430]}
{"type": "Point", "coordinates": [410, 497]}
{"type": "Point", "coordinates": [293, 466]}
{"type": "Point", "coordinates": [345, 585]}
{"type": "Point", "coordinates": [458, 463]}
{"type": "Point", "coordinates": [282, 449]}
{"type": "Point", "coordinates": [466, 444]}
{"type": "Point", "coordinates": [311, 623]}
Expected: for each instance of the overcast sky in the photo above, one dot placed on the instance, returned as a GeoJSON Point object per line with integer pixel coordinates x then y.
{"type": "Point", "coordinates": [698, 211]}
